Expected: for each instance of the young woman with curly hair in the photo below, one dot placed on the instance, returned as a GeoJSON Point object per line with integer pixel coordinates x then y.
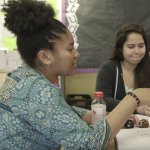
{"type": "Point", "coordinates": [33, 112]}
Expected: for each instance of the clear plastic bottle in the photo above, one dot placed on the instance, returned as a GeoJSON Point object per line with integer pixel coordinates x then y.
{"type": "Point", "coordinates": [98, 108]}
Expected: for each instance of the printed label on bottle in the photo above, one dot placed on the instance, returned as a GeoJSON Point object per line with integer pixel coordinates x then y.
{"type": "Point", "coordinates": [98, 113]}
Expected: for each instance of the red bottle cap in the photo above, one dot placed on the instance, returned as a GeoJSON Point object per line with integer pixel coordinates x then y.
{"type": "Point", "coordinates": [98, 94]}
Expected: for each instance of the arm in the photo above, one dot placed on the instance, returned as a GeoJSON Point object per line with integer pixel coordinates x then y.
{"type": "Point", "coordinates": [88, 117]}
{"type": "Point", "coordinates": [85, 114]}
{"type": "Point", "coordinates": [105, 82]}
{"type": "Point", "coordinates": [124, 109]}
{"type": "Point", "coordinates": [46, 111]}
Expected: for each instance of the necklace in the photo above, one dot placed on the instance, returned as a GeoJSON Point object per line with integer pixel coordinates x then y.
{"type": "Point", "coordinates": [35, 70]}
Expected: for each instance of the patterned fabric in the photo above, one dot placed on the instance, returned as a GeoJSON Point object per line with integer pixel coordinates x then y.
{"type": "Point", "coordinates": [41, 119]}
{"type": "Point", "coordinates": [6, 90]}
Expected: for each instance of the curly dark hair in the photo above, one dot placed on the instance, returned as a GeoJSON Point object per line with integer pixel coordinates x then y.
{"type": "Point", "coordinates": [142, 71]}
{"type": "Point", "coordinates": [34, 25]}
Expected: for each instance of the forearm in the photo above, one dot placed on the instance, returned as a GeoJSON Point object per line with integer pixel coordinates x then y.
{"type": "Point", "coordinates": [80, 111]}
{"type": "Point", "coordinates": [111, 103]}
{"type": "Point", "coordinates": [97, 136]}
{"type": "Point", "coordinates": [125, 108]}
{"type": "Point", "coordinates": [87, 117]}
{"type": "Point", "coordinates": [120, 114]}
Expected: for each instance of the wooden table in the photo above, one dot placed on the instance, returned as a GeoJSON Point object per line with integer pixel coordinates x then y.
{"type": "Point", "coordinates": [111, 145]}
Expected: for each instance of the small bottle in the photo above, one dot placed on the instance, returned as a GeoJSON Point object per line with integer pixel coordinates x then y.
{"type": "Point", "coordinates": [98, 108]}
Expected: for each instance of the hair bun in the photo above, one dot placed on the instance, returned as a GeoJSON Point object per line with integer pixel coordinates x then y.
{"type": "Point", "coordinates": [26, 17]}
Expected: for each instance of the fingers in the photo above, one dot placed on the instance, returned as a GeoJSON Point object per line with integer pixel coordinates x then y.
{"type": "Point", "coordinates": [135, 118]}
{"type": "Point", "coordinates": [140, 110]}
{"type": "Point", "coordinates": [146, 110]}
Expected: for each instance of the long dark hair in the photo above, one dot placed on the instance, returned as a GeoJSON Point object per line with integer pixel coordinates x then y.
{"type": "Point", "coordinates": [142, 70]}
{"type": "Point", "coordinates": [34, 25]}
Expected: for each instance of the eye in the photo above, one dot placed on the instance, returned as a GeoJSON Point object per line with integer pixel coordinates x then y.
{"type": "Point", "coordinates": [70, 49]}
{"type": "Point", "coordinates": [130, 47]}
{"type": "Point", "coordinates": [141, 46]}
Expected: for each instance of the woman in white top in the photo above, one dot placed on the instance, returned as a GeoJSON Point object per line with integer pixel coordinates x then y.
{"type": "Point", "coordinates": [127, 68]}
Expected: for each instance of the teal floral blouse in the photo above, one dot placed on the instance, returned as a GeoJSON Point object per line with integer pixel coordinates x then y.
{"type": "Point", "coordinates": [41, 119]}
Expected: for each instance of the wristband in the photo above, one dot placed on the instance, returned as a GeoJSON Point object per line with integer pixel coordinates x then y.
{"type": "Point", "coordinates": [135, 97]}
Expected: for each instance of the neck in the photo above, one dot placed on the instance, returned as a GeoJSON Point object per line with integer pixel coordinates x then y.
{"type": "Point", "coordinates": [48, 73]}
{"type": "Point", "coordinates": [52, 78]}
{"type": "Point", "coordinates": [128, 66]}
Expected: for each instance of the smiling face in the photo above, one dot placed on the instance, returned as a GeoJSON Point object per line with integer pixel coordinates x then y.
{"type": "Point", "coordinates": [64, 58]}
{"type": "Point", "coordinates": [134, 49]}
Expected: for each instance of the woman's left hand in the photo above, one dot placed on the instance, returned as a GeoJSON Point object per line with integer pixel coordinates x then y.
{"type": "Point", "coordinates": [146, 109]}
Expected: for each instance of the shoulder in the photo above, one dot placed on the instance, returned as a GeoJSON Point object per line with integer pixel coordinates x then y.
{"type": "Point", "coordinates": [30, 79]}
{"type": "Point", "coordinates": [110, 64]}
{"type": "Point", "coordinates": [35, 85]}
{"type": "Point", "coordinates": [37, 90]}
{"type": "Point", "coordinates": [38, 83]}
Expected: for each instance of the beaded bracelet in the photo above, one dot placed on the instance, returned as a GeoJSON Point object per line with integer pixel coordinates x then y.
{"type": "Point", "coordinates": [135, 97]}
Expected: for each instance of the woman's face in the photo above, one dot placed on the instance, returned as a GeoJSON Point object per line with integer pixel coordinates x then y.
{"type": "Point", "coordinates": [134, 49]}
{"type": "Point", "coordinates": [65, 56]}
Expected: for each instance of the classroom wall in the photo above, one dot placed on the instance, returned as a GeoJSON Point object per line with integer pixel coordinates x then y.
{"type": "Point", "coordinates": [80, 83]}
{"type": "Point", "coordinates": [2, 78]}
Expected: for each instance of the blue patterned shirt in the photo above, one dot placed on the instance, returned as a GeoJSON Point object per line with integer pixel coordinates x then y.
{"type": "Point", "coordinates": [41, 119]}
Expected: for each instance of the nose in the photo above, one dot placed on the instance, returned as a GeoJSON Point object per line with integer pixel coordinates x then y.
{"type": "Point", "coordinates": [137, 49]}
{"type": "Point", "coordinates": [76, 54]}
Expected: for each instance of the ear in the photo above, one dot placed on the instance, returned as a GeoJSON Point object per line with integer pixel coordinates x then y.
{"type": "Point", "coordinates": [121, 50]}
{"type": "Point", "coordinates": [45, 57]}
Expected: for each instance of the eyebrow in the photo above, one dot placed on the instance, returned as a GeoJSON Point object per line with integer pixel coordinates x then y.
{"type": "Point", "coordinates": [134, 44]}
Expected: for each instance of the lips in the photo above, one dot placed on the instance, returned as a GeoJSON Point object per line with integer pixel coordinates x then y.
{"type": "Point", "coordinates": [136, 57]}
{"type": "Point", "coordinates": [75, 64]}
